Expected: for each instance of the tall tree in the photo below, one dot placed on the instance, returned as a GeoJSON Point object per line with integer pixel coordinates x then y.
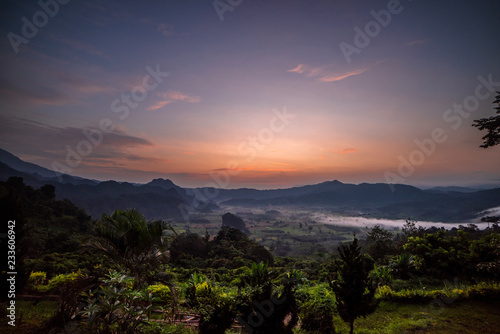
{"type": "Point", "coordinates": [354, 288]}
{"type": "Point", "coordinates": [490, 124]}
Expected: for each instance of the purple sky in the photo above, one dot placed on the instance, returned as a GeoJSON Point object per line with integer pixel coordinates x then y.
{"type": "Point", "coordinates": [277, 94]}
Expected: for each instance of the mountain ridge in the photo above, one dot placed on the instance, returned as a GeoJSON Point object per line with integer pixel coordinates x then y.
{"type": "Point", "coordinates": [162, 198]}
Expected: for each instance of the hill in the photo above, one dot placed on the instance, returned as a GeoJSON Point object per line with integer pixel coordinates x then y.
{"type": "Point", "coordinates": [162, 198]}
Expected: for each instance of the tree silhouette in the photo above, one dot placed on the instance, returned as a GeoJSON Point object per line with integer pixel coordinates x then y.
{"type": "Point", "coordinates": [354, 289]}
{"type": "Point", "coordinates": [490, 124]}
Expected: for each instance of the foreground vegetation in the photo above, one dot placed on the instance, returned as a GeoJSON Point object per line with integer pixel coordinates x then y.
{"type": "Point", "coordinates": [124, 274]}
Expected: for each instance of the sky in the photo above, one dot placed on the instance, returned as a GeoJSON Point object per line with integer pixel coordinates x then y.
{"type": "Point", "coordinates": [258, 94]}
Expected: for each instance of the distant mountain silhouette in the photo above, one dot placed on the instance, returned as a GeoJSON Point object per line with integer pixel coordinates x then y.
{"type": "Point", "coordinates": [40, 172]}
{"type": "Point", "coordinates": [161, 198]}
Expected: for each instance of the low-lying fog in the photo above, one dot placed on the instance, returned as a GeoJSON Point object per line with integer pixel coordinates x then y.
{"type": "Point", "coordinates": [392, 224]}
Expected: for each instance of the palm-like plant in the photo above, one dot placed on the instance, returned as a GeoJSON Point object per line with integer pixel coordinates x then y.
{"type": "Point", "coordinates": [127, 239]}
{"type": "Point", "coordinates": [403, 265]}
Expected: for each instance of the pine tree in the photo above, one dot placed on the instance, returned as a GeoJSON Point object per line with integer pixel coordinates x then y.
{"type": "Point", "coordinates": [491, 125]}
{"type": "Point", "coordinates": [353, 288]}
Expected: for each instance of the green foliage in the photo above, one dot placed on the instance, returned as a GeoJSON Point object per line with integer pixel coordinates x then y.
{"type": "Point", "coordinates": [36, 279]}
{"type": "Point", "coordinates": [316, 308]}
{"type": "Point", "coordinates": [382, 275]}
{"type": "Point", "coordinates": [353, 288]}
{"type": "Point", "coordinates": [128, 240]}
{"type": "Point", "coordinates": [43, 226]}
{"type": "Point", "coordinates": [231, 248]}
{"type": "Point", "coordinates": [161, 292]}
{"type": "Point", "coordinates": [480, 291]}
{"type": "Point", "coordinates": [57, 282]}
{"type": "Point", "coordinates": [115, 308]}
{"type": "Point", "coordinates": [269, 298]}
{"type": "Point", "coordinates": [380, 243]}
{"type": "Point", "coordinates": [402, 265]}
{"type": "Point", "coordinates": [217, 309]}
{"type": "Point", "coordinates": [444, 255]}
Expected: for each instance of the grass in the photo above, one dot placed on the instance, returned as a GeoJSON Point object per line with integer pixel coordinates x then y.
{"type": "Point", "coordinates": [30, 316]}
{"type": "Point", "coordinates": [469, 316]}
{"type": "Point", "coordinates": [458, 317]}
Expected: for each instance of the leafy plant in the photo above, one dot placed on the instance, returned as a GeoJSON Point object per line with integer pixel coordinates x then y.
{"type": "Point", "coordinates": [382, 275]}
{"type": "Point", "coordinates": [130, 241]}
{"type": "Point", "coordinates": [115, 308]}
{"type": "Point", "coordinates": [316, 309]}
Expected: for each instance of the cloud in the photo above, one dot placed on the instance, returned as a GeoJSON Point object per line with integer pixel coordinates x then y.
{"type": "Point", "coordinates": [166, 29]}
{"type": "Point", "coordinates": [348, 150]}
{"type": "Point", "coordinates": [174, 96]}
{"type": "Point", "coordinates": [299, 69]}
{"type": "Point", "coordinates": [51, 142]}
{"type": "Point", "coordinates": [338, 77]}
{"type": "Point", "coordinates": [326, 73]}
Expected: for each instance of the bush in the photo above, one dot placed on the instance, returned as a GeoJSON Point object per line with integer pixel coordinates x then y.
{"type": "Point", "coordinates": [477, 291]}
{"type": "Point", "coordinates": [316, 309]}
{"type": "Point", "coordinates": [60, 280]}
{"type": "Point", "coordinates": [36, 280]}
{"type": "Point", "coordinates": [115, 308]}
{"type": "Point", "coordinates": [160, 291]}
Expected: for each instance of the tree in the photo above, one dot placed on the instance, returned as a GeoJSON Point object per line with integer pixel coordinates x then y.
{"type": "Point", "coordinates": [354, 288]}
{"type": "Point", "coordinates": [130, 241]}
{"type": "Point", "coordinates": [379, 243]}
{"type": "Point", "coordinates": [268, 303]}
{"type": "Point", "coordinates": [490, 124]}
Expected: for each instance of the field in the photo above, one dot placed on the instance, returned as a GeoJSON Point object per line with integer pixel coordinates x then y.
{"type": "Point", "coordinates": [284, 232]}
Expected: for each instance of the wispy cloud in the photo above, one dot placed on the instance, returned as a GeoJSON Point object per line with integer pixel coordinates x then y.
{"type": "Point", "coordinates": [326, 73]}
{"type": "Point", "coordinates": [338, 77]}
{"type": "Point", "coordinates": [53, 140]}
{"type": "Point", "coordinates": [417, 42]}
{"type": "Point", "coordinates": [165, 29]}
{"type": "Point", "coordinates": [174, 96]}
{"type": "Point", "coordinates": [348, 150]}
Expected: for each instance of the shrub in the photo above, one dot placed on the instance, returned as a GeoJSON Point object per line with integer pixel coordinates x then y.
{"type": "Point", "coordinates": [36, 280]}
{"type": "Point", "coordinates": [115, 308]}
{"type": "Point", "coordinates": [160, 291]}
{"type": "Point", "coordinates": [57, 282]}
{"type": "Point", "coordinates": [316, 309]}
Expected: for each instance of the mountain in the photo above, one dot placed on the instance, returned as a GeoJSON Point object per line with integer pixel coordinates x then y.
{"type": "Point", "coordinates": [39, 172]}
{"type": "Point", "coordinates": [162, 198]}
{"type": "Point", "coordinates": [370, 200]}
{"type": "Point", "coordinates": [453, 189]}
